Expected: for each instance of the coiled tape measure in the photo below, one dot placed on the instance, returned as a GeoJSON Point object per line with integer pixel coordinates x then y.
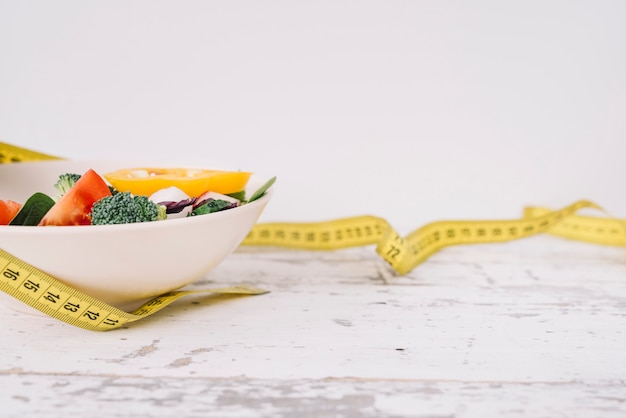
{"type": "Point", "coordinates": [52, 297]}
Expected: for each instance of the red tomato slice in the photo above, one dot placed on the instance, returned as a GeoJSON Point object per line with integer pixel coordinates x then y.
{"type": "Point", "coordinates": [75, 206]}
{"type": "Point", "coordinates": [8, 210]}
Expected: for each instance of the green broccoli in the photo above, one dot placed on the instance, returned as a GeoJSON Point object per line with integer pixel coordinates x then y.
{"type": "Point", "coordinates": [65, 183]}
{"type": "Point", "coordinates": [124, 208]}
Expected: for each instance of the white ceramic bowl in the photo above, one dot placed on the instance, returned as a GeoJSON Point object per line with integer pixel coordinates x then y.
{"type": "Point", "coordinates": [123, 265]}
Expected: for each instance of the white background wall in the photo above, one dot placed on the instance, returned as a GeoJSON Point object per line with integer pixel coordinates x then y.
{"type": "Point", "coordinates": [410, 110]}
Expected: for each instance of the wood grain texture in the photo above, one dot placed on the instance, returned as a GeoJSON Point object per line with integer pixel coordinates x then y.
{"type": "Point", "coordinates": [528, 328]}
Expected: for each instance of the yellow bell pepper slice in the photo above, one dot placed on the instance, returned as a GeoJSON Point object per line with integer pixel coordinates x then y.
{"type": "Point", "coordinates": [194, 182]}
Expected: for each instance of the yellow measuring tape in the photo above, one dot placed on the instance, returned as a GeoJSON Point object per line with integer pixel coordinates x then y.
{"type": "Point", "coordinates": [50, 296]}
{"type": "Point", "coordinates": [406, 253]}
{"type": "Point", "coordinates": [403, 254]}
{"type": "Point", "coordinates": [12, 154]}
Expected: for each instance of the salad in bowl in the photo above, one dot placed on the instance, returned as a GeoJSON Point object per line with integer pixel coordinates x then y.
{"type": "Point", "coordinates": [125, 233]}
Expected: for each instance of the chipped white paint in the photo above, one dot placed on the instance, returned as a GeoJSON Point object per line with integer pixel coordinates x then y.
{"type": "Point", "coordinates": [530, 328]}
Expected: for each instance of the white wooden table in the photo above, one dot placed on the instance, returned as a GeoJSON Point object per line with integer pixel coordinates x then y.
{"type": "Point", "coordinates": [533, 328]}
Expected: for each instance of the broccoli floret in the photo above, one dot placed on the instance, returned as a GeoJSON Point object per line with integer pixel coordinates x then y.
{"type": "Point", "coordinates": [65, 183]}
{"type": "Point", "coordinates": [124, 208]}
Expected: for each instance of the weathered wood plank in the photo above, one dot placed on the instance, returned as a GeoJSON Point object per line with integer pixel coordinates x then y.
{"type": "Point", "coordinates": [534, 327]}
{"type": "Point", "coordinates": [121, 396]}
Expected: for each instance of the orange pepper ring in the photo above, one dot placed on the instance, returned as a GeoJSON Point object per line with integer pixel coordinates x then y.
{"type": "Point", "coordinates": [145, 181]}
